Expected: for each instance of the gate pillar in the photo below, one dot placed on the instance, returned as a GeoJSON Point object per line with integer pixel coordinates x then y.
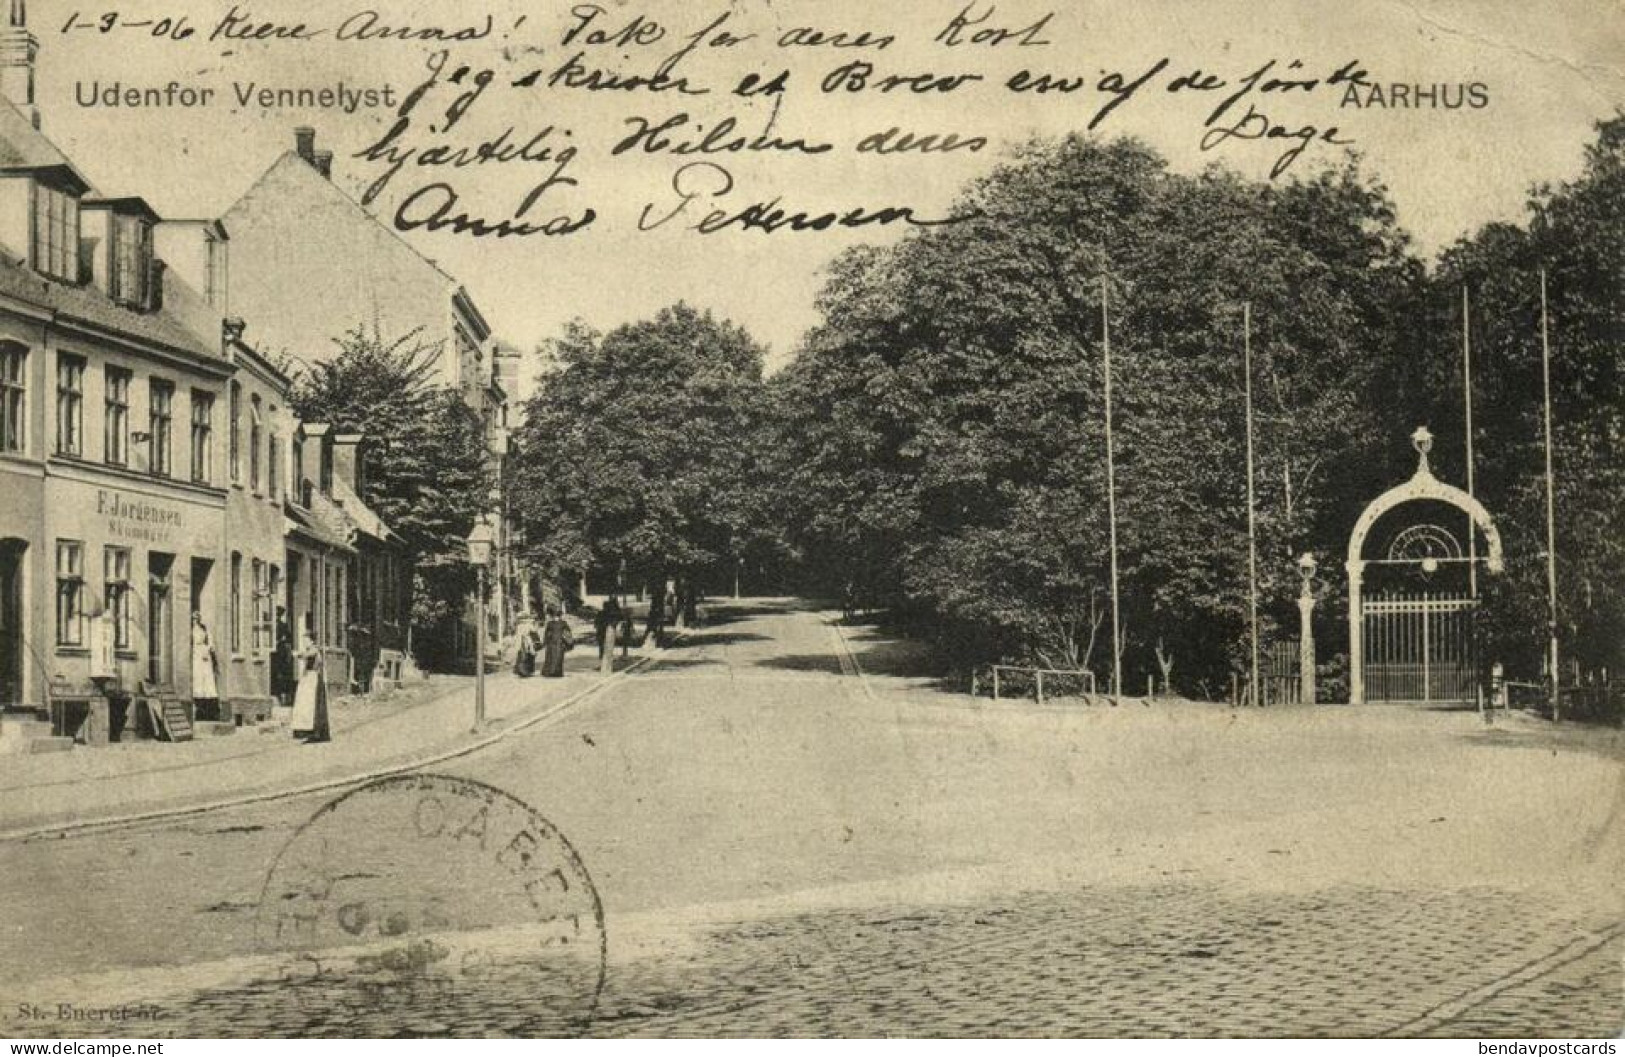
{"type": "Point", "coordinates": [1356, 569]}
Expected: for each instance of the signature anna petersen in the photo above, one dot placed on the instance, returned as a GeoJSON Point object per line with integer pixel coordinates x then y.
{"type": "Point", "coordinates": [437, 207]}
{"type": "Point", "coordinates": [701, 182]}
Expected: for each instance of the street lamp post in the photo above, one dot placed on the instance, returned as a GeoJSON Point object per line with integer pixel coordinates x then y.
{"type": "Point", "coordinates": [480, 541]}
{"type": "Point", "coordinates": [1307, 568]}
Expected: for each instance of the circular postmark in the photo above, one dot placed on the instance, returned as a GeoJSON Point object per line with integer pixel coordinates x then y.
{"type": "Point", "coordinates": [424, 905]}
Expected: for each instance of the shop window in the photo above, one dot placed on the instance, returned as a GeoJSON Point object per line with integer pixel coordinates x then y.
{"type": "Point", "coordinates": [70, 593]}
{"type": "Point", "coordinates": [116, 416]}
{"type": "Point", "coordinates": [161, 428]}
{"type": "Point", "coordinates": [116, 575]}
{"type": "Point", "coordinates": [13, 397]}
{"type": "Point", "coordinates": [202, 435]}
{"type": "Point", "coordinates": [70, 405]}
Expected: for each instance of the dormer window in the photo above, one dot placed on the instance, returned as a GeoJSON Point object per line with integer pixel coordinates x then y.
{"type": "Point", "coordinates": [56, 233]}
{"type": "Point", "coordinates": [132, 261]}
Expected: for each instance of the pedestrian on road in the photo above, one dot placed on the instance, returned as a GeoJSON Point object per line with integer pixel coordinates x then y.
{"type": "Point", "coordinates": [608, 625]}
{"type": "Point", "coordinates": [284, 673]}
{"type": "Point", "coordinates": [525, 646]}
{"type": "Point", "coordinates": [556, 641]}
{"type": "Point", "coordinates": [205, 688]}
{"type": "Point", "coordinates": [310, 722]}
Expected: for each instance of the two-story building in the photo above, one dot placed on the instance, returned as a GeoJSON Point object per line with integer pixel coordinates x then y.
{"type": "Point", "coordinates": [110, 410]}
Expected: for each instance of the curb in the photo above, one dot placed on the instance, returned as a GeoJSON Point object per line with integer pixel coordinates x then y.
{"type": "Point", "coordinates": [324, 785]}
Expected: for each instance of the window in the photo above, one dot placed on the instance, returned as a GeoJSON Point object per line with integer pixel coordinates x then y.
{"type": "Point", "coordinates": [202, 435]}
{"type": "Point", "coordinates": [236, 433]}
{"type": "Point", "coordinates": [116, 574]}
{"type": "Point", "coordinates": [132, 260]}
{"type": "Point", "coordinates": [335, 598]}
{"type": "Point", "coordinates": [236, 602]}
{"type": "Point", "coordinates": [262, 607]}
{"type": "Point", "coordinates": [70, 405]}
{"type": "Point", "coordinates": [56, 233]}
{"type": "Point", "coordinates": [300, 496]}
{"type": "Point", "coordinates": [254, 425]}
{"type": "Point", "coordinates": [273, 462]}
{"type": "Point", "coordinates": [161, 419]}
{"type": "Point", "coordinates": [70, 593]}
{"type": "Point", "coordinates": [13, 398]}
{"type": "Point", "coordinates": [274, 591]}
{"type": "Point", "coordinates": [116, 416]}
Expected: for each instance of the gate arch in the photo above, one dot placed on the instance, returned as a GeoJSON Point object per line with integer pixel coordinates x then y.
{"type": "Point", "coordinates": [1422, 486]}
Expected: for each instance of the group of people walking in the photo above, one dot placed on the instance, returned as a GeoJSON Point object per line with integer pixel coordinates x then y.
{"type": "Point", "coordinates": [542, 649]}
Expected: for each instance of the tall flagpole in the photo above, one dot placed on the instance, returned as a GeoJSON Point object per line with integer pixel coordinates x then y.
{"type": "Point", "coordinates": [1111, 493]}
{"type": "Point", "coordinates": [1467, 391]}
{"type": "Point", "coordinates": [1252, 529]}
{"type": "Point", "coordinates": [1551, 501]}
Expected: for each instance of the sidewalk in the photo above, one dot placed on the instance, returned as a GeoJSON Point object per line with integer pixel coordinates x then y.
{"type": "Point", "coordinates": [91, 785]}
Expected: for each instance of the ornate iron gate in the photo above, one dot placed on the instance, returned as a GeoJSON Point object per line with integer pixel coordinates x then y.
{"type": "Point", "coordinates": [1419, 648]}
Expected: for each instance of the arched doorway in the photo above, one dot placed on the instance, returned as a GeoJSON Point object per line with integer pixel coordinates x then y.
{"type": "Point", "coordinates": [1411, 634]}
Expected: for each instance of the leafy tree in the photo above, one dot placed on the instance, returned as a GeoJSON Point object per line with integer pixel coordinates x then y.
{"type": "Point", "coordinates": [944, 426]}
{"type": "Point", "coordinates": [428, 474]}
{"type": "Point", "coordinates": [638, 449]}
{"type": "Point", "coordinates": [1576, 232]}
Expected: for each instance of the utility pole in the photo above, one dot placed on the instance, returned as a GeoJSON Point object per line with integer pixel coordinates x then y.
{"type": "Point", "coordinates": [1252, 528]}
{"type": "Point", "coordinates": [1551, 501]}
{"type": "Point", "coordinates": [1111, 492]}
{"type": "Point", "coordinates": [1467, 397]}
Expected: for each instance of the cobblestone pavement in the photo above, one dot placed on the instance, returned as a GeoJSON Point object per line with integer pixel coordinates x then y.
{"type": "Point", "coordinates": [1141, 961]}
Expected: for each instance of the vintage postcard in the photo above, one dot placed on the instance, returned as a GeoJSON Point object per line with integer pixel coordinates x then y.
{"type": "Point", "coordinates": [809, 518]}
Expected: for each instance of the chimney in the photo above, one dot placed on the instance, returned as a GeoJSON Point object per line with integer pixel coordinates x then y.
{"type": "Point", "coordinates": [349, 464]}
{"type": "Point", "coordinates": [319, 434]}
{"type": "Point", "coordinates": [324, 163]}
{"type": "Point", "coordinates": [18, 49]}
{"type": "Point", "coordinates": [304, 141]}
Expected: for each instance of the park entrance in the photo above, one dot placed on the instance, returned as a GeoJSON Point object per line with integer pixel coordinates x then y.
{"type": "Point", "coordinates": [1413, 606]}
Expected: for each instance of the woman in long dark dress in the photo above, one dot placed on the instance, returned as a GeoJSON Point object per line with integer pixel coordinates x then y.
{"type": "Point", "coordinates": [556, 639]}
{"type": "Point", "coordinates": [284, 675]}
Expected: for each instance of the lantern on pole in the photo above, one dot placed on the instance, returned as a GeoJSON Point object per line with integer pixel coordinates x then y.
{"type": "Point", "coordinates": [481, 543]}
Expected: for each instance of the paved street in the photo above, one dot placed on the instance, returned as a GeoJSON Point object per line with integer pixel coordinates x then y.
{"type": "Point", "coordinates": [790, 830]}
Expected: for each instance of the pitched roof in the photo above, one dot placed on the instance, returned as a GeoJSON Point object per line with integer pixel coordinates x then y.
{"type": "Point", "coordinates": [290, 166]}
{"type": "Point", "coordinates": [359, 514]}
{"type": "Point", "coordinates": [321, 521]}
{"type": "Point", "coordinates": [88, 306]}
{"type": "Point", "coordinates": [24, 148]}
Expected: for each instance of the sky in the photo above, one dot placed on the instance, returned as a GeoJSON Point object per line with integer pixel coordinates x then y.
{"type": "Point", "coordinates": [1546, 71]}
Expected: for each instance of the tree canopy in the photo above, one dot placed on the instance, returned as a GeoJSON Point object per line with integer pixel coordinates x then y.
{"type": "Point", "coordinates": [639, 448]}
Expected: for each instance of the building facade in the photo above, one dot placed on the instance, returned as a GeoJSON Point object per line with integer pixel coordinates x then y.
{"type": "Point", "coordinates": [110, 408]}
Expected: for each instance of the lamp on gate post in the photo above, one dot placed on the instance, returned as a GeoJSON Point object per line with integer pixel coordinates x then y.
{"type": "Point", "coordinates": [481, 541]}
{"type": "Point", "coordinates": [1307, 567]}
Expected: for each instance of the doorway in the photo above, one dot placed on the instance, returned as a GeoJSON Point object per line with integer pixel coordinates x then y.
{"type": "Point", "coordinates": [13, 622]}
{"type": "Point", "coordinates": [160, 620]}
{"type": "Point", "coordinates": [201, 568]}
